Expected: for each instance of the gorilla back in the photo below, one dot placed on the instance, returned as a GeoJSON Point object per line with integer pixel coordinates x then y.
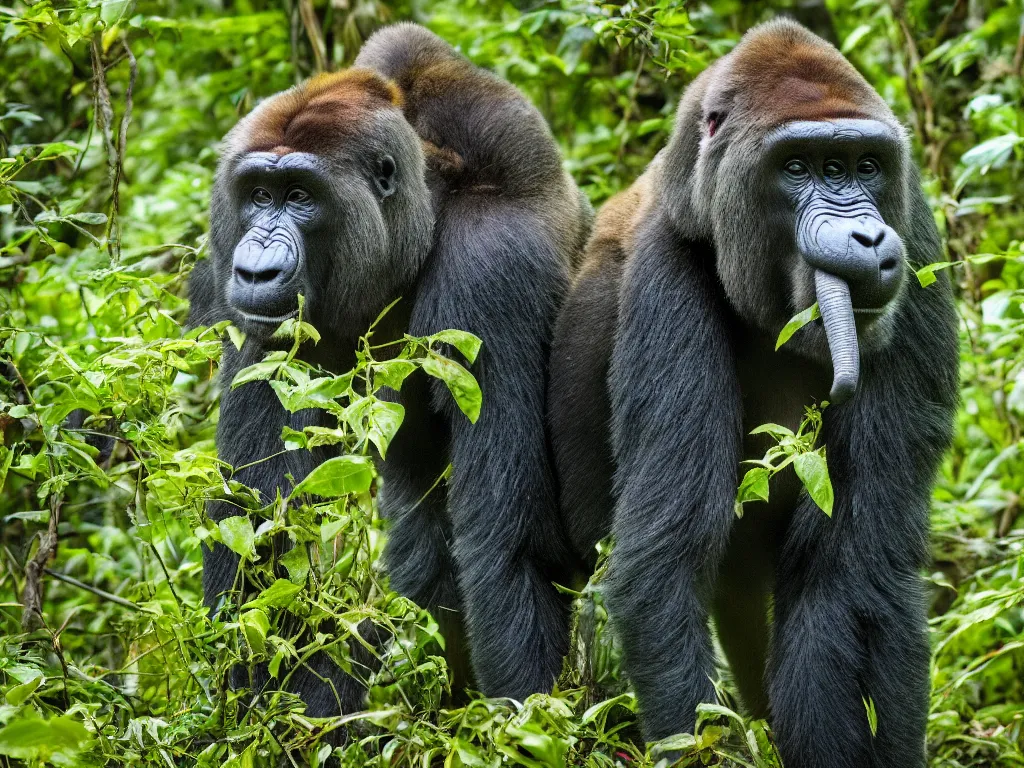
{"type": "Point", "coordinates": [416, 175]}
{"type": "Point", "coordinates": [787, 180]}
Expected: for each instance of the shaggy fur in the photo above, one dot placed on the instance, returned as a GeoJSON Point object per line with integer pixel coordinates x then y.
{"type": "Point", "coordinates": [662, 363]}
{"type": "Point", "coordinates": [477, 233]}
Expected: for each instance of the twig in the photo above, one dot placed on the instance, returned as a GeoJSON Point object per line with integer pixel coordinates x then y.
{"type": "Point", "coordinates": [89, 588]}
{"type": "Point", "coordinates": [32, 594]}
{"type": "Point", "coordinates": [940, 32]}
{"type": "Point", "coordinates": [1018, 56]}
{"type": "Point", "coordinates": [101, 101]}
{"type": "Point", "coordinates": [314, 33]}
{"type": "Point", "coordinates": [917, 78]}
{"type": "Point", "coordinates": [113, 222]}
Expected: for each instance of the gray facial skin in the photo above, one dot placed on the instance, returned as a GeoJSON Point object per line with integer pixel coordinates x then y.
{"type": "Point", "coordinates": [833, 174]}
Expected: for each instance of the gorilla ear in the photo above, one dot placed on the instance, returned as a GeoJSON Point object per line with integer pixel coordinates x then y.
{"type": "Point", "coordinates": [714, 119]}
{"type": "Point", "coordinates": [385, 178]}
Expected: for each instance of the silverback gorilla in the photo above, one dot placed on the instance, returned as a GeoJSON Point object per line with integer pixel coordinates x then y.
{"type": "Point", "coordinates": [414, 174]}
{"type": "Point", "coordinates": [787, 179]}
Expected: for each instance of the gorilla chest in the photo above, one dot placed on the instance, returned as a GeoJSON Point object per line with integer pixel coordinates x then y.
{"type": "Point", "coordinates": [776, 388]}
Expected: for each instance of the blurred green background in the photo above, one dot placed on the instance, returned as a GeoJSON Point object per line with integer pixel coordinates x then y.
{"type": "Point", "coordinates": [110, 115]}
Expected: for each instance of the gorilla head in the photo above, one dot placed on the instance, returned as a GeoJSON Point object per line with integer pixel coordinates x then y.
{"type": "Point", "coordinates": [796, 169]}
{"type": "Point", "coordinates": [320, 192]}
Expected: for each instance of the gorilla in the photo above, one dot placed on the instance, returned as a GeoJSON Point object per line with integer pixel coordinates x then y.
{"type": "Point", "coordinates": [413, 174]}
{"type": "Point", "coordinates": [787, 180]}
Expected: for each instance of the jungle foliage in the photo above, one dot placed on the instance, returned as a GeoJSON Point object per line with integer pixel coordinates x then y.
{"type": "Point", "coordinates": [110, 113]}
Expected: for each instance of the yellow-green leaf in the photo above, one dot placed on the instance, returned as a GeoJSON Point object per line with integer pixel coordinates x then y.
{"type": "Point", "coordinates": [797, 322]}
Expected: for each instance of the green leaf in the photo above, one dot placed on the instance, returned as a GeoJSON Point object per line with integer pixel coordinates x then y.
{"type": "Point", "coordinates": [16, 694]}
{"type": "Point", "coordinates": [238, 535]}
{"type": "Point", "coordinates": [926, 274]}
{"type": "Point", "coordinates": [812, 469]}
{"type": "Point", "coordinates": [754, 486]}
{"type": "Point", "coordinates": [545, 749]}
{"type": "Point", "coordinates": [869, 707]}
{"type": "Point", "coordinates": [464, 341]}
{"type": "Point", "coordinates": [277, 595]}
{"type": "Point", "coordinates": [274, 667]}
{"type": "Point", "coordinates": [330, 528]}
{"type": "Point", "coordinates": [625, 700]}
{"type": "Point", "coordinates": [392, 373]}
{"type": "Point", "coordinates": [255, 626]}
{"type": "Point", "coordinates": [797, 322]}
{"type": "Point", "coordinates": [385, 419]}
{"type": "Point", "coordinates": [93, 219]}
{"type": "Point", "coordinates": [59, 149]}
{"type": "Point", "coordinates": [460, 382]}
{"type": "Point", "coordinates": [296, 560]}
{"type": "Point", "coordinates": [993, 152]}
{"type": "Point", "coordinates": [855, 37]}
{"type": "Point", "coordinates": [775, 430]}
{"type": "Point", "coordinates": [257, 372]}
{"type": "Point", "coordinates": [337, 477]}
{"type": "Point", "coordinates": [237, 337]}
{"type": "Point", "coordinates": [292, 327]}
{"type": "Point", "coordinates": [33, 738]}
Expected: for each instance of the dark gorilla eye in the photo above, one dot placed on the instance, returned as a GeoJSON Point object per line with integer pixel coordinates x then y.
{"type": "Point", "coordinates": [834, 169]}
{"type": "Point", "coordinates": [298, 196]}
{"type": "Point", "coordinates": [867, 168]}
{"type": "Point", "coordinates": [261, 197]}
{"type": "Point", "coordinates": [386, 176]}
{"type": "Point", "coordinates": [796, 170]}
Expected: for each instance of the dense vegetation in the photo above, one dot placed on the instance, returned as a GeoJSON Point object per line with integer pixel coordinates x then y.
{"type": "Point", "coordinates": [109, 117]}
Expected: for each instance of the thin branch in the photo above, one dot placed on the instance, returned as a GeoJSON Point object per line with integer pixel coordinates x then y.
{"type": "Point", "coordinates": [314, 33]}
{"type": "Point", "coordinates": [32, 594]}
{"type": "Point", "coordinates": [943, 28]}
{"type": "Point", "coordinates": [89, 588]}
{"type": "Point", "coordinates": [113, 221]}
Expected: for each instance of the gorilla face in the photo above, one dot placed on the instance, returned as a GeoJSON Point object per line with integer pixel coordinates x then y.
{"type": "Point", "coordinates": [822, 207]}
{"type": "Point", "coordinates": [835, 175]}
{"type": "Point", "coordinates": [283, 203]}
{"type": "Point", "coordinates": [341, 216]}
{"type": "Point", "coordinates": [838, 177]}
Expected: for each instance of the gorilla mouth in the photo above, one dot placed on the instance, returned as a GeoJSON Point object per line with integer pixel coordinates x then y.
{"type": "Point", "coordinates": [265, 319]}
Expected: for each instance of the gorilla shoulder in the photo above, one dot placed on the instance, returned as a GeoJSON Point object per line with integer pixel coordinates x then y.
{"type": "Point", "coordinates": [480, 130]}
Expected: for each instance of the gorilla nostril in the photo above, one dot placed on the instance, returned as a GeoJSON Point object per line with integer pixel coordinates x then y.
{"type": "Point", "coordinates": [255, 277]}
{"type": "Point", "coordinates": [866, 240]}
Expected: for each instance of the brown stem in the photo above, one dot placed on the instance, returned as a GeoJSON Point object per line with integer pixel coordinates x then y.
{"type": "Point", "coordinates": [916, 83]}
{"type": "Point", "coordinates": [32, 594]}
{"type": "Point", "coordinates": [314, 33]}
{"type": "Point", "coordinates": [940, 32]}
{"type": "Point", "coordinates": [1018, 56]}
{"type": "Point", "coordinates": [113, 222]}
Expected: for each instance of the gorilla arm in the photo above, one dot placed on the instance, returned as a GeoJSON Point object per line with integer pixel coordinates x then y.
{"type": "Point", "coordinates": [676, 436]}
{"type": "Point", "coordinates": [495, 274]}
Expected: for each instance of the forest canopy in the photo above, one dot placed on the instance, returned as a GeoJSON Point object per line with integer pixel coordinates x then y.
{"type": "Point", "coordinates": [110, 118]}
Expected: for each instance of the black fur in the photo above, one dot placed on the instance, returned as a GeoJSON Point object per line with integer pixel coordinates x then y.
{"type": "Point", "coordinates": [505, 222]}
{"type": "Point", "coordinates": [815, 614]}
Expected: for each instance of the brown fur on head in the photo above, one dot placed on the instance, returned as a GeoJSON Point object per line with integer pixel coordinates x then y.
{"type": "Point", "coordinates": [717, 184]}
{"type": "Point", "coordinates": [781, 72]}
{"type": "Point", "coordinates": [319, 113]}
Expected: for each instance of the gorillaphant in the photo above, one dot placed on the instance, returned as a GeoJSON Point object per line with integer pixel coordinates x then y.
{"type": "Point", "coordinates": [417, 175]}
{"type": "Point", "coordinates": [787, 180]}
